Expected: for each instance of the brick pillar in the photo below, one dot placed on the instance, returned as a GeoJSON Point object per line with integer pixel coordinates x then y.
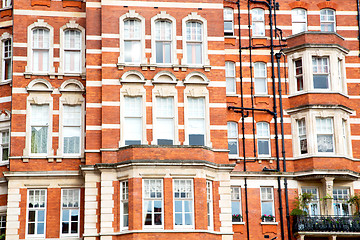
{"type": "Point", "coordinates": [168, 204]}
{"type": "Point", "coordinates": [200, 204]}
{"type": "Point", "coordinates": [53, 212]}
{"type": "Point", "coordinates": [135, 204]}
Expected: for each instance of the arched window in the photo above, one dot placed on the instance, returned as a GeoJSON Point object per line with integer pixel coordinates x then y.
{"type": "Point", "coordinates": [163, 41]}
{"type": "Point", "coordinates": [132, 41]}
{"type": "Point", "coordinates": [41, 49]}
{"type": "Point", "coordinates": [260, 75]}
{"type": "Point", "coordinates": [258, 22]}
{"type": "Point", "coordinates": [263, 139]}
{"type": "Point", "coordinates": [228, 21]}
{"type": "Point", "coordinates": [299, 20]}
{"type": "Point", "coordinates": [194, 42]}
{"type": "Point", "coordinates": [327, 20]}
{"type": "Point", "coordinates": [72, 51]}
{"type": "Point", "coordinates": [233, 138]}
{"type": "Point", "coordinates": [230, 77]}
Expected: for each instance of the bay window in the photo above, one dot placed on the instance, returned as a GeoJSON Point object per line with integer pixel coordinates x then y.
{"type": "Point", "coordinates": [325, 135]}
{"type": "Point", "coordinates": [72, 51]}
{"type": "Point", "coordinates": [196, 120]}
{"type": "Point", "coordinates": [70, 212]}
{"type": "Point", "coordinates": [39, 121]}
{"type": "Point", "coordinates": [302, 136]}
{"type": "Point", "coordinates": [183, 203]}
{"type": "Point", "coordinates": [36, 212]}
{"type": "Point", "coordinates": [165, 120]}
{"type": "Point", "coordinates": [153, 202]}
{"type": "Point", "coordinates": [299, 75]}
{"type": "Point", "coordinates": [321, 73]}
{"type": "Point", "coordinates": [133, 120]}
{"type": "Point", "coordinates": [327, 20]}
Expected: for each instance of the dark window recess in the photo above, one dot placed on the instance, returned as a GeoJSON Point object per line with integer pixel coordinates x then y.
{"type": "Point", "coordinates": [165, 142]}
{"type": "Point", "coordinates": [303, 146]}
{"type": "Point", "coordinates": [196, 139]}
{"type": "Point", "coordinates": [132, 142]}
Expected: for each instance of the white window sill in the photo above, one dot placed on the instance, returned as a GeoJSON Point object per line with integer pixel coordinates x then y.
{"type": "Point", "coordinates": [4, 163]}
{"type": "Point", "coordinates": [5, 8]}
{"type": "Point", "coordinates": [261, 95]}
{"type": "Point", "coordinates": [269, 223]}
{"type": "Point", "coordinates": [232, 95]}
{"type": "Point", "coordinates": [3, 82]}
{"type": "Point", "coordinates": [230, 36]}
{"type": "Point", "coordinates": [325, 91]}
{"type": "Point", "coordinates": [238, 223]}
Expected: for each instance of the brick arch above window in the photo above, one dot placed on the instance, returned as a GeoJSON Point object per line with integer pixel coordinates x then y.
{"type": "Point", "coordinates": [133, 76]}
{"type": "Point", "coordinates": [164, 77]}
{"type": "Point", "coordinates": [298, 4]}
{"type": "Point", "coordinates": [327, 4]}
{"type": "Point", "coordinates": [39, 85]}
{"type": "Point", "coordinates": [72, 85]}
{"type": "Point", "coordinates": [196, 77]}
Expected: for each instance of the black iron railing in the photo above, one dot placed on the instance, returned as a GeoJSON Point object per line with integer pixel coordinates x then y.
{"type": "Point", "coordinates": [326, 224]}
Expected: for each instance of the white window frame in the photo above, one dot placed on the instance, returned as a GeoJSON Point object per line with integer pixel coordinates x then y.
{"type": "Point", "coordinates": [256, 22]}
{"type": "Point", "coordinates": [45, 125]}
{"type": "Point", "coordinates": [132, 86]}
{"type": "Point", "coordinates": [194, 118]}
{"type": "Point", "coordinates": [79, 126]}
{"type": "Point", "coordinates": [29, 70]}
{"type": "Point", "coordinates": [2, 224]}
{"type": "Point", "coordinates": [336, 79]}
{"type": "Point", "coordinates": [301, 125]}
{"type": "Point", "coordinates": [153, 200]}
{"type": "Point", "coordinates": [236, 199]}
{"type": "Point", "coordinates": [6, 3]}
{"type": "Point", "coordinates": [72, 95]}
{"type": "Point", "coordinates": [263, 138]}
{"type": "Point", "coordinates": [7, 58]}
{"type": "Point", "coordinates": [131, 15]}
{"type": "Point", "coordinates": [72, 25]}
{"type": "Point", "coordinates": [341, 202]}
{"type": "Point", "coordinates": [209, 204]}
{"type": "Point", "coordinates": [320, 123]}
{"type": "Point", "coordinates": [28, 209]}
{"type": "Point", "coordinates": [194, 17]}
{"type": "Point", "coordinates": [39, 94]}
{"type": "Point", "coordinates": [163, 16]}
{"type": "Point", "coordinates": [229, 18]}
{"type": "Point", "coordinates": [233, 137]}
{"type": "Point", "coordinates": [3, 38]}
{"type": "Point", "coordinates": [298, 20]}
{"type": "Point", "coordinates": [324, 13]}
{"type": "Point", "coordinates": [124, 199]}
{"type": "Point", "coordinates": [230, 75]}
{"type": "Point", "coordinates": [340, 117]}
{"type": "Point", "coordinates": [314, 201]}
{"type": "Point", "coordinates": [182, 203]}
{"type": "Point", "coordinates": [4, 145]}
{"type": "Point", "coordinates": [75, 191]}
{"type": "Point", "coordinates": [260, 77]}
{"type": "Point", "coordinates": [321, 66]}
{"type": "Point", "coordinates": [160, 116]}
{"type": "Point", "coordinates": [299, 76]}
{"type": "Point", "coordinates": [268, 200]}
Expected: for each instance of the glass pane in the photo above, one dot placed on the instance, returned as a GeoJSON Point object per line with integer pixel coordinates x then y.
{"type": "Point", "coordinates": [266, 208]}
{"type": "Point", "coordinates": [325, 143]}
{"type": "Point", "coordinates": [31, 228]}
{"type": "Point", "coordinates": [188, 206]}
{"type": "Point", "coordinates": [74, 227]}
{"type": "Point", "coordinates": [321, 81]}
{"type": "Point", "coordinates": [235, 207]}
{"type": "Point", "coordinates": [31, 216]}
{"type": "Point", "coordinates": [178, 206]}
{"type": "Point", "coordinates": [40, 228]}
{"type": "Point", "coordinates": [65, 227]}
{"type": "Point", "coordinates": [65, 215]}
{"type": "Point", "coordinates": [178, 219]}
{"type": "Point", "coordinates": [260, 86]}
{"type": "Point", "coordinates": [41, 215]}
{"type": "Point", "coordinates": [263, 147]}
{"type": "Point", "coordinates": [233, 147]}
{"type": "Point", "coordinates": [188, 218]}
{"type": "Point", "coordinates": [157, 219]}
